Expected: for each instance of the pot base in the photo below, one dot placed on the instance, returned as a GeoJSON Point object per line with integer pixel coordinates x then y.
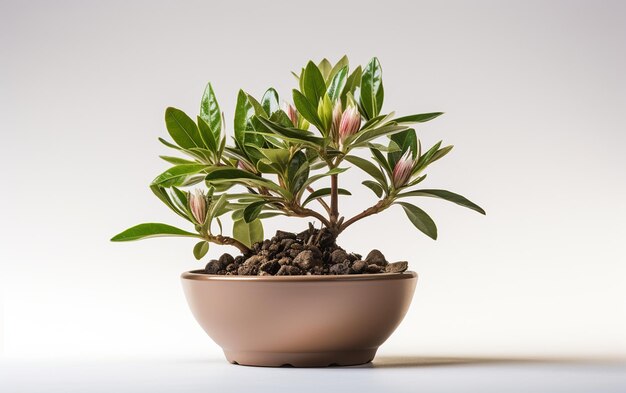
{"type": "Point", "coordinates": [298, 359]}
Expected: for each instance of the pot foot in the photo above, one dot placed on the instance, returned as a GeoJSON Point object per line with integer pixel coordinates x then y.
{"type": "Point", "coordinates": [301, 359]}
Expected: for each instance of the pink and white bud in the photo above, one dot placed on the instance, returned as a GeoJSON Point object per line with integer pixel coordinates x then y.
{"type": "Point", "coordinates": [334, 129]}
{"type": "Point", "coordinates": [349, 124]}
{"type": "Point", "coordinates": [292, 113]}
{"type": "Point", "coordinates": [402, 170]}
{"type": "Point", "coordinates": [245, 166]}
{"type": "Point", "coordinates": [197, 205]}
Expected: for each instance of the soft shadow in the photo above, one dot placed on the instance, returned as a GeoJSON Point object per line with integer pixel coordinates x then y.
{"type": "Point", "coordinates": [436, 361]}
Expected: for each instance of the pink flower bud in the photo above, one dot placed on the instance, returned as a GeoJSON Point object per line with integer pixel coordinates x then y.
{"type": "Point", "coordinates": [245, 166]}
{"type": "Point", "coordinates": [292, 113]}
{"type": "Point", "coordinates": [349, 124]}
{"type": "Point", "coordinates": [334, 129]}
{"type": "Point", "coordinates": [197, 205]}
{"type": "Point", "coordinates": [402, 170]}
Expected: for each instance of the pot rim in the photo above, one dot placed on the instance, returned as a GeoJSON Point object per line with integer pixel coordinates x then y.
{"type": "Point", "coordinates": [196, 275]}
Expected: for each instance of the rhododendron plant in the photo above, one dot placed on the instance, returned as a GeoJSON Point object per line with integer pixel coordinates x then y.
{"type": "Point", "coordinates": [282, 150]}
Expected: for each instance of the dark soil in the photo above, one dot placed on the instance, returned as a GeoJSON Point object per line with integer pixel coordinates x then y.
{"type": "Point", "coordinates": [312, 252]}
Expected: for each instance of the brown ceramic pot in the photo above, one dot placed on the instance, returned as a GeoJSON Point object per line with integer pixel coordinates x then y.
{"type": "Point", "coordinates": [303, 321]}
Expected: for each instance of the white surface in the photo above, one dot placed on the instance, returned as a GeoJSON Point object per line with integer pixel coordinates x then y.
{"type": "Point", "coordinates": [534, 95]}
{"type": "Point", "coordinates": [386, 374]}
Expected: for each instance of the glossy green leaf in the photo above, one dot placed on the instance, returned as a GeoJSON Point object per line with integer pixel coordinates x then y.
{"type": "Point", "coordinates": [372, 92]}
{"type": "Point", "coordinates": [441, 153]}
{"type": "Point", "coordinates": [421, 118]}
{"type": "Point", "coordinates": [420, 219]}
{"type": "Point", "coordinates": [200, 249]}
{"type": "Point", "coordinates": [363, 137]}
{"type": "Point", "coordinates": [248, 233]}
{"type": "Point", "coordinates": [368, 167]}
{"type": "Point", "coordinates": [292, 134]}
{"type": "Point", "coordinates": [182, 128]}
{"type": "Point", "coordinates": [426, 158]}
{"type": "Point", "coordinates": [445, 195]}
{"type": "Point", "coordinates": [210, 111]}
{"type": "Point", "coordinates": [297, 171]}
{"type": "Point", "coordinates": [314, 84]}
{"type": "Point", "coordinates": [337, 84]}
{"type": "Point", "coordinates": [207, 135]}
{"type": "Point", "coordinates": [378, 157]}
{"type": "Point", "coordinates": [170, 144]}
{"type": "Point", "coordinates": [226, 174]}
{"type": "Point", "coordinates": [372, 185]}
{"type": "Point", "coordinates": [244, 131]}
{"type": "Point", "coordinates": [343, 62]}
{"type": "Point", "coordinates": [325, 67]}
{"type": "Point", "coordinates": [306, 109]}
{"type": "Point", "coordinates": [253, 210]}
{"type": "Point", "coordinates": [162, 194]}
{"type": "Point", "coordinates": [176, 160]}
{"type": "Point", "coordinates": [353, 81]}
{"type": "Point", "coordinates": [406, 140]}
{"type": "Point", "coordinates": [323, 192]}
{"type": "Point", "coordinates": [177, 174]}
{"type": "Point", "coordinates": [270, 101]}
{"type": "Point", "coordinates": [325, 113]}
{"type": "Point", "coordinates": [143, 231]}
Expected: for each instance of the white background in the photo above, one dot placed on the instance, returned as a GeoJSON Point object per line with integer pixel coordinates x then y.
{"type": "Point", "coordinates": [534, 96]}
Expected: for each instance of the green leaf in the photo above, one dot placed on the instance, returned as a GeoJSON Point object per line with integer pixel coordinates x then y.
{"type": "Point", "coordinates": [200, 249]}
{"type": "Point", "coordinates": [177, 160]}
{"type": "Point", "coordinates": [297, 171]}
{"type": "Point", "coordinates": [323, 192]}
{"type": "Point", "coordinates": [325, 67]}
{"type": "Point", "coordinates": [244, 131]}
{"type": "Point", "coordinates": [420, 219]}
{"type": "Point", "coordinates": [372, 92]}
{"type": "Point", "coordinates": [143, 231]}
{"type": "Point", "coordinates": [426, 158]}
{"type": "Point", "coordinates": [292, 134]}
{"type": "Point", "coordinates": [306, 109]}
{"type": "Point", "coordinates": [177, 174]}
{"type": "Point", "coordinates": [253, 210]}
{"type": "Point", "coordinates": [207, 135]}
{"type": "Point", "coordinates": [343, 62]}
{"type": "Point", "coordinates": [421, 118]}
{"type": "Point", "coordinates": [407, 140]}
{"type": "Point", "coordinates": [314, 84]}
{"type": "Point", "coordinates": [445, 195]}
{"type": "Point", "coordinates": [210, 111]}
{"type": "Point", "coordinates": [378, 156]}
{"type": "Point", "coordinates": [372, 185]}
{"type": "Point", "coordinates": [441, 153]}
{"type": "Point", "coordinates": [337, 84]}
{"type": "Point", "coordinates": [353, 81]}
{"type": "Point", "coordinates": [165, 198]}
{"type": "Point", "coordinates": [361, 138]}
{"type": "Point", "coordinates": [368, 167]}
{"type": "Point", "coordinates": [270, 101]}
{"type": "Point", "coordinates": [182, 129]}
{"type": "Point", "coordinates": [314, 178]}
{"type": "Point", "coordinates": [325, 113]}
{"type": "Point", "coordinates": [170, 144]}
{"type": "Point", "coordinates": [225, 174]}
{"type": "Point", "coordinates": [248, 233]}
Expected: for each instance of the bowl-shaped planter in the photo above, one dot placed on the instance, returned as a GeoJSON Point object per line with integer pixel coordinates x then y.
{"type": "Point", "coordinates": [303, 321]}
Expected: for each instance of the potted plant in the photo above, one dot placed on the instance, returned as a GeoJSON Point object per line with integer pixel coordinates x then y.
{"type": "Point", "coordinates": [296, 299]}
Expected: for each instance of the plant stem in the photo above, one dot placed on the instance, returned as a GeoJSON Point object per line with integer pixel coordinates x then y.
{"type": "Point", "coordinates": [299, 211]}
{"type": "Point", "coordinates": [377, 208]}
{"type": "Point", "coordinates": [334, 200]}
{"type": "Point", "coordinates": [320, 200]}
{"type": "Point", "coordinates": [225, 240]}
